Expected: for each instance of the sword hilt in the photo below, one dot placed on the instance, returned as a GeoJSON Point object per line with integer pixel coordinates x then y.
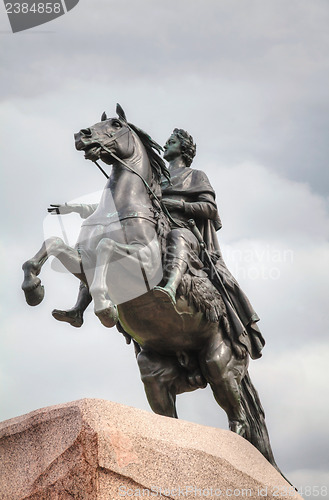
{"type": "Point", "coordinates": [196, 232]}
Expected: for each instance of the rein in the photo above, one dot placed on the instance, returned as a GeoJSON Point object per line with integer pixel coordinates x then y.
{"type": "Point", "coordinates": [148, 188]}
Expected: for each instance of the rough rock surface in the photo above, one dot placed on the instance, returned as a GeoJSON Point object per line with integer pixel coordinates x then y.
{"type": "Point", "coordinates": [94, 449]}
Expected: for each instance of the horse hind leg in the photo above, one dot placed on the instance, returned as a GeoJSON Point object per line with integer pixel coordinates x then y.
{"type": "Point", "coordinates": [32, 287]}
{"type": "Point", "coordinates": [234, 392]}
{"type": "Point", "coordinates": [224, 372]}
{"type": "Point", "coordinates": [163, 378]}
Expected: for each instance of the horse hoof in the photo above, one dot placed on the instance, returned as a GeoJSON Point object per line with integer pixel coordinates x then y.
{"type": "Point", "coordinates": [239, 428]}
{"type": "Point", "coordinates": [34, 291]}
{"type": "Point", "coordinates": [108, 317]}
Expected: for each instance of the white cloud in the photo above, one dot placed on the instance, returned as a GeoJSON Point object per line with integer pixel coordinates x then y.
{"type": "Point", "coordinates": [257, 203]}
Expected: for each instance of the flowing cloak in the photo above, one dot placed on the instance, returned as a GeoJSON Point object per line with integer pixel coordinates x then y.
{"type": "Point", "coordinates": [193, 188]}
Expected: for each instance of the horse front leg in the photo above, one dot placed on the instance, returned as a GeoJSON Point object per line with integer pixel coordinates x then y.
{"type": "Point", "coordinates": [107, 252]}
{"type": "Point", "coordinates": [104, 308]}
{"type": "Point", "coordinates": [69, 257]}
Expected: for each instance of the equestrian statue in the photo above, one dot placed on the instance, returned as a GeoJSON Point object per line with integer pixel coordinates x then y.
{"type": "Point", "coordinates": [148, 258]}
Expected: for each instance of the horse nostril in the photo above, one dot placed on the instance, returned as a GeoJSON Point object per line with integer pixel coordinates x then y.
{"type": "Point", "coordinates": [85, 131]}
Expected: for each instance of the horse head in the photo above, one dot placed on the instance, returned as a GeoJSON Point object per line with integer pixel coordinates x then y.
{"type": "Point", "coordinates": [110, 135]}
{"type": "Point", "coordinates": [117, 136]}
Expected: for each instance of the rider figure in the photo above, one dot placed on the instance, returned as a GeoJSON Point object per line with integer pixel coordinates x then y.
{"type": "Point", "coordinates": [189, 196]}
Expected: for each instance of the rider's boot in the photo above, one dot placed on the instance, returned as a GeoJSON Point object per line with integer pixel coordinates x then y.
{"type": "Point", "coordinates": [176, 270]}
{"type": "Point", "coordinates": [74, 316]}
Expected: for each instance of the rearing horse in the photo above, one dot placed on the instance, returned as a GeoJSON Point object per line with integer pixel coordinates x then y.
{"type": "Point", "coordinates": [118, 255]}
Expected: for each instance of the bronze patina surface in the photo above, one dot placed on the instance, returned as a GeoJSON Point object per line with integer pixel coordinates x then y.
{"type": "Point", "coordinates": [191, 323]}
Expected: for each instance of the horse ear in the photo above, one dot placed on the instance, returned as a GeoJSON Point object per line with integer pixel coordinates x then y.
{"type": "Point", "coordinates": [103, 117]}
{"type": "Point", "coordinates": [121, 114]}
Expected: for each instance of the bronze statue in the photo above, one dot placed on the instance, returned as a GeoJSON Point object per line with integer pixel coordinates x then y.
{"type": "Point", "coordinates": [192, 324]}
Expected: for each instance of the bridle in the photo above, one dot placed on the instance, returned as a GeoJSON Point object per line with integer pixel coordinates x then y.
{"type": "Point", "coordinates": [114, 136]}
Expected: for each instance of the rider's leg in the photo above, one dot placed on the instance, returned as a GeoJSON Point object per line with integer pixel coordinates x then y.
{"type": "Point", "coordinates": [224, 373]}
{"type": "Point", "coordinates": [74, 316]}
{"type": "Point", "coordinates": [68, 256]}
{"type": "Point", "coordinates": [163, 379]}
{"type": "Point", "coordinates": [182, 247]}
{"type": "Point", "coordinates": [174, 270]}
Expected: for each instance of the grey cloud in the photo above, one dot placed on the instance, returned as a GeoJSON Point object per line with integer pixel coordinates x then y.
{"type": "Point", "coordinates": [261, 69]}
{"type": "Point", "coordinates": [249, 81]}
{"type": "Point", "coordinates": [249, 41]}
{"type": "Point", "coordinates": [300, 406]}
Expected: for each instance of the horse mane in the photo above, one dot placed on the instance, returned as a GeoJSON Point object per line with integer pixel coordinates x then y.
{"type": "Point", "coordinates": [152, 149]}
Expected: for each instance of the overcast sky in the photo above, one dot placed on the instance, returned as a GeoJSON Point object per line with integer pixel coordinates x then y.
{"type": "Point", "coordinates": [249, 80]}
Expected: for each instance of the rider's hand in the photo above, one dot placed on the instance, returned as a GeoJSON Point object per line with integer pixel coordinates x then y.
{"type": "Point", "coordinates": [173, 204]}
{"type": "Point", "coordinates": [62, 209]}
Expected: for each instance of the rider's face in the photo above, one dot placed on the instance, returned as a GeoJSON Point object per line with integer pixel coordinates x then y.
{"type": "Point", "coordinates": [172, 148]}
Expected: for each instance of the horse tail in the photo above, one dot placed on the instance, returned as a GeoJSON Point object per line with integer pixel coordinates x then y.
{"type": "Point", "coordinates": [256, 419]}
{"type": "Point", "coordinates": [255, 415]}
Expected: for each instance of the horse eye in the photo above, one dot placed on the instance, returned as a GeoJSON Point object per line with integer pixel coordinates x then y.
{"type": "Point", "coordinates": [116, 123]}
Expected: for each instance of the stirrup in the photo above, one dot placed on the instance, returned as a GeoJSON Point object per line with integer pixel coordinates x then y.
{"type": "Point", "coordinates": [73, 316]}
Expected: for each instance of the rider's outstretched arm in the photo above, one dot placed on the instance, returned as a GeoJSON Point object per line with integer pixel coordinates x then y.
{"type": "Point", "coordinates": [83, 210]}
